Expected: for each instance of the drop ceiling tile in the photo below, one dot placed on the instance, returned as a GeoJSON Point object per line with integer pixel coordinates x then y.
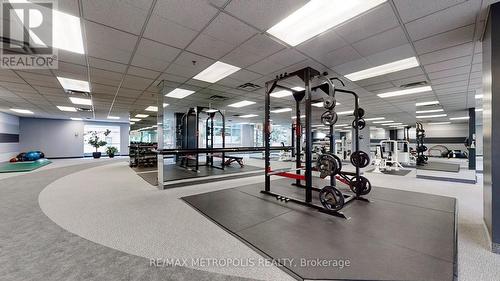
{"type": "Point", "coordinates": [192, 14]}
{"type": "Point", "coordinates": [235, 35]}
{"type": "Point", "coordinates": [105, 77]}
{"type": "Point", "coordinates": [341, 56]}
{"type": "Point", "coordinates": [153, 55]}
{"type": "Point", "coordinates": [352, 66]}
{"type": "Point", "coordinates": [321, 45]}
{"type": "Point", "coordinates": [449, 72]}
{"type": "Point", "coordinates": [411, 10]}
{"type": "Point", "coordinates": [377, 20]}
{"type": "Point", "coordinates": [108, 43]}
{"type": "Point", "coordinates": [263, 14]}
{"type": "Point", "coordinates": [448, 64]}
{"type": "Point", "coordinates": [168, 32]}
{"type": "Point", "coordinates": [445, 20]}
{"type": "Point", "coordinates": [445, 40]}
{"type": "Point", "coordinates": [242, 58]}
{"type": "Point", "coordinates": [380, 42]}
{"type": "Point", "coordinates": [65, 56]}
{"type": "Point", "coordinates": [454, 78]}
{"type": "Point", "coordinates": [136, 83]}
{"type": "Point", "coordinates": [210, 47]}
{"type": "Point", "coordinates": [142, 72]}
{"type": "Point", "coordinates": [446, 54]}
{"type": "Point", "coordinates": [390, 55]}
{"type": "Point", "coordinates": [107, 65]}
{"type": "Point", "coordinates": [128, 15]}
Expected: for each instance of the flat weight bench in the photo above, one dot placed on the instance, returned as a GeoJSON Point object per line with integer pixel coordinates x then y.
{"type": "Point", "coordinates": [230, 159]}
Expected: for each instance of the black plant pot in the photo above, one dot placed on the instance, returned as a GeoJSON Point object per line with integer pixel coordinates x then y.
{"type": "Point", "coordinates": [96, 155]}
{"type": "Point", "coordinates": [111, 155]}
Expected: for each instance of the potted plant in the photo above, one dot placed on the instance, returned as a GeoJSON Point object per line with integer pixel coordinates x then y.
{"type": "Point", "coordinates": [96, 142]}
{"type": "Point", "coordinates": [111, 151]}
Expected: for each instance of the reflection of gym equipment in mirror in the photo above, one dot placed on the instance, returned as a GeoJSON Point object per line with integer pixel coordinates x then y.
{"type": "Point", "coordinates": [342, 148]}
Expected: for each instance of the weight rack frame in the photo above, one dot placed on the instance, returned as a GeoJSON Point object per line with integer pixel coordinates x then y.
{"type": "Point", "coordinates": [306, 74]}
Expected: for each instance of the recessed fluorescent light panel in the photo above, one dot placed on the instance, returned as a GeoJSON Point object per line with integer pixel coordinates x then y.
{"type": "Point", "coordinates": [80, 101]}
{"type": "Point", "coordinates": [67, 108]}
{"type": "Point", "coordinates": [216, 72]}
{"type": "Point", "coordinates": [427, 103]}
{"type": "Point", "coordinates": [141, 115]}
{"type": "Point", "coordinates": [380, 122]}
{"type": "Point", "coordinates": [211, 110]}
{"type": "Point", "coordinates": [241, 103]}
{"type": "Point", "coordinates": [280, 94]}
{"type": "Point", "coordinates": [389, 124]}
{"type": "Point", "coordinates": [179, 93]}
{"type": "Point", "coordinates": [460, 118]}
{"type": "Point", "coordinates": [406, 92]}
{"type": "Point", "coordinates": [22, 111]}
{"type": "Point", "coordinates": [135, 119]}
{"type": "Point", "coordinates": [320, 104]}
{"type": "Point", "coordinates": [249, 116]}
{"type": "Point", "coordinates": [479, 109]}
{"type": "Point", "coordinates": [318, 16]}
{"type": "Point", "coordinates": [478, 96]}
{"type": "Point", "coordinates": [76, 119]}
{"type": "Point", "coordinates": [74, 84]}
{"type": "Point", "coordinates": [440, 123]}
{"type": "Point", "coordinates": [383, 69]}
{"type": "Point", "coordinates": [154, 108]}
{"type": "Point", "coordinates": [113, 117]}
{"type": "Point", "coordinates": [431, 116]}
{"type": "Point", "coordinates": [374, 119]}
{"type": "Point", "coordinates": [301, 116]}
{"type": "Point", "coordinates": [281, 110]}
{"type": "Point", "coordinates": [347, 112]}
{"type": "Point", "coordinates": [67, 32]}
{"type": "Point", "coordinates": [429, 111]}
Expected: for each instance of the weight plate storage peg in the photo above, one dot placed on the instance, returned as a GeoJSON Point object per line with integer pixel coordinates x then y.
{"type": "Point", "coordinates": [359, 113]}
{"type": "Point", "coordinates": [331, 198]}
{"type": "Point", "coordinates": [361, 123]}
{"type": "Point", "coordinates": [329, 118]}
{"type": "Point", "coordinates": [360, 159]}
{"type": "Point", "coordinates": [360, 185]}
{"type": "Point", "coordinates": [328, 165]}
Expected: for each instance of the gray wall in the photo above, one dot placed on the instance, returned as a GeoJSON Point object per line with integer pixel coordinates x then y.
{"type": "Point", "coordinates": [61, 138]}
{"type": "Point", "coordinates": [491, 126]}
{"type": "Point", "coordinates": [9, 130]}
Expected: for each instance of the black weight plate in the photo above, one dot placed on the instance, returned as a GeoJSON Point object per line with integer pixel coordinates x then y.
{"type": "Point", "coordinates": [360, 113]}
{"type": "Point", "coordinates": [329, 103]}
{"type": "Point", "coordinates": [339, 164]}
{"type": "Point", "coordinates": [360, 186]}
{"type": "Point", "coordinates": [331, 198]}
{"type": "Point", "coordinates": [329, 118]}
{"type": "Point", "coordinates": [328, 165]}
{"type": "Point", "coordinates": [360, 159]}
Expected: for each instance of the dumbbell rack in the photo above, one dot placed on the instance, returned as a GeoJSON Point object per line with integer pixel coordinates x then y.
{"type": "Point", "coordinates": [307, 75]}
{"type": "Point", "coordinates": [420, 135]}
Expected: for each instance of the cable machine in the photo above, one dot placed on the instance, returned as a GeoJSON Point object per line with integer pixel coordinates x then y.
{"type": "Point", "coordinates": [328, 164]}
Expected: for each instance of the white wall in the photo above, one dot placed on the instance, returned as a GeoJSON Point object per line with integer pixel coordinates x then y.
{"type": "Point", "coordinates": [9, 124]}
{"type": "Point", "coordinates": [61, 138]}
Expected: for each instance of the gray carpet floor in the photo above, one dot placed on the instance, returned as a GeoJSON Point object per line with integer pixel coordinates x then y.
{"type": "Point", "coordinates": [32, 247]}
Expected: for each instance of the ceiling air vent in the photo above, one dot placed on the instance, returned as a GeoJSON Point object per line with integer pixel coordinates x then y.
{"type": "Point", "coordinates": [414, 84]}
{"type": "Point", "coordinates": [250, 87]}
{"type": "Point", "coordinates": [217, 98]}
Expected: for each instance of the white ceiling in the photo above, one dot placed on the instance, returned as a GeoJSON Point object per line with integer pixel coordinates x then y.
{"type": "Point", "coordinates": [133, 44]}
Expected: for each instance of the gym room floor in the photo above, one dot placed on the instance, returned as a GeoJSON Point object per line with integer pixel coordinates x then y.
{"type": "Point", "coordinates": [102, 221]}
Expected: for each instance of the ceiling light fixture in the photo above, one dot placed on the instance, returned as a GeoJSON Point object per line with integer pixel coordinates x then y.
{"type": "Point", "coordinates": [341, 125]}
{"type": "Point", "coordinates": [392, 123]}
{"type": "Point", "coordinates": [380, 122]}
{"type": "Point", "coordinates": [211, 110]}
{"type": "Point", "coordinates": [241, 103]}
{"type": "Point", "coordinates": [322, 15]}
{"type": "Point", "coordinates": [431, 116]}
{"type": "Point", "coordinates": [74, 84]}
{"type": "Point", "coordinates": [429, 111]}
{"type": "Point", "coordinates": [383, 69]}
{"type": "Point", "coordinates": [249, 116]}
{"type": "Point", "coordinates": [216, 72]}
{"type": "Point", "coordinates": [179, 93]}
{"type": "Point", "coordinates": [66, 108]}
{"type": "Point", "coordinates": [478, 109]}
{"type": "Point", "coordinates": [76, 119]}
{"type": "Point", "coordinates": [80, 101]}
{"type": "Point", "coordinates": [405, 92]}
{"type": "Point", "coordinates": [427, 103]}
{"type": "Point", "coordinates": [478, 96]}
{"type": "Point", "coordinates": [132, 123]}
{"type": "Point", "coordinates": [281, 110]}
{"type": "Point", "coordinates": [141, 116]}
{"type": "Point", "coordinates": [67, 32]}
{"type": "Point", "coordinates": [113, 117]}
{"type": "Point", "coordinates": [301, 116]}
{"type": "Point", "coordinates": [154, 108]}
{"type": "Point", "coordinates": [320, 104]}
{"type": "Point", "coordinates": [440, 123]}
{"type": "Point", "coordinates": [135, 119]}
{"type": "Point", "coordinates": [280, 94]}
{"type": "Point", "coordinates": [347, 112]}
{"type": "Point", "coordinates": [22, 111]}
{"type": "Point", "coordinates": [460, 118]}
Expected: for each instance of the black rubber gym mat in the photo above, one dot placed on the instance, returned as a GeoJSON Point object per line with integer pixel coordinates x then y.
{"type": "Point", "coordinates": [392, 172]}
{"type": "Point", "coordinates": [399, 235]}
{"type": "Point", "coordinates": [440, 166]}
{"type": "Point", "coordinates": [174, 172]}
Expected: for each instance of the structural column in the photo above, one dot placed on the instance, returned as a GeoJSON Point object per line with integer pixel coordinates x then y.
{"type": "Point", "coordinates": [491, 126]}
{"type": "Point", "coordinates": [472, 139]}
{"type": "Point", "coordinates": [159, 131]}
